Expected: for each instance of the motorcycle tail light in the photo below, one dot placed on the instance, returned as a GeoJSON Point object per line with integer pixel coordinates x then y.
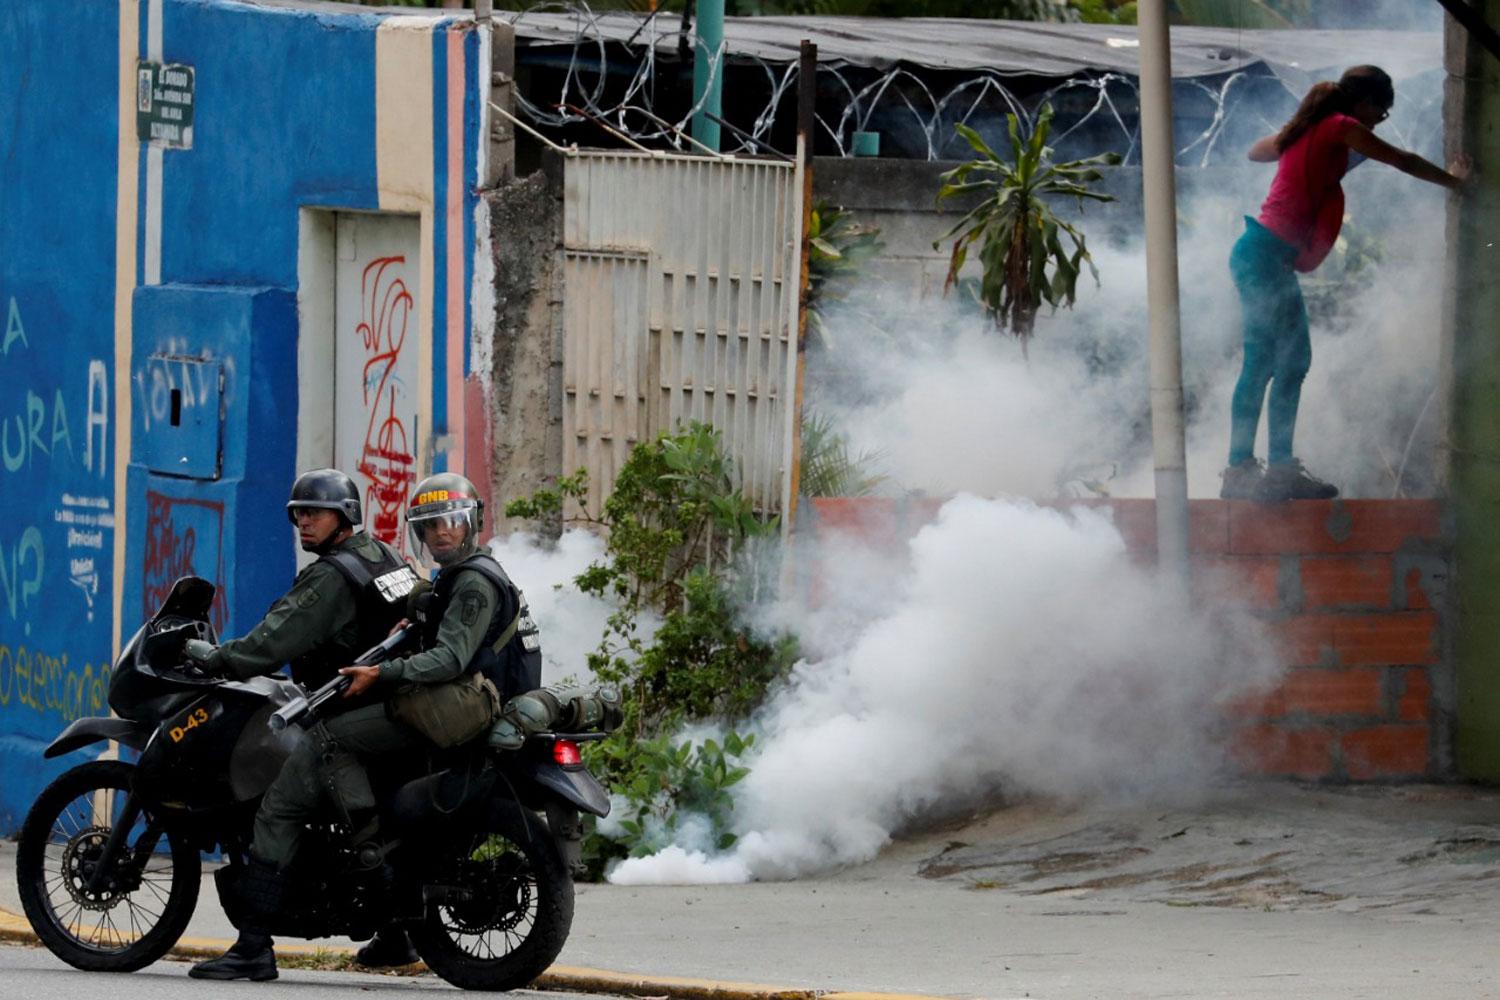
{"type": "Point", "coordinates": [565, 752]}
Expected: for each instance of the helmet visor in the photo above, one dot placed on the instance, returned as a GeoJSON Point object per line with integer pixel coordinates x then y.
{"type": "Point", "coordinates": [443, 533]}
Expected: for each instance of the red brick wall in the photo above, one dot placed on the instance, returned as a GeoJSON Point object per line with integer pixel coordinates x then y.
{"type": "Point", "coordinates": [1353, 591]}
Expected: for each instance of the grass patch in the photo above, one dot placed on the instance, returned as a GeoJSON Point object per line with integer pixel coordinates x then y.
{"type": "Point", "coordinates": [319, 960]}
{"type": "Point", "coordinates": [334, 960]}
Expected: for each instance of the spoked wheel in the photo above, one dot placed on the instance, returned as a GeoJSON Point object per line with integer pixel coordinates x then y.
{"type": "Point", "coordinates": [117, 920]}
{"type": "Point", "coordinates": [503, 909]}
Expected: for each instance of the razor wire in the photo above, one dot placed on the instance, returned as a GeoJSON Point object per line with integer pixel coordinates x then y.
{"type": "Point", "coordinates": [900, 94]}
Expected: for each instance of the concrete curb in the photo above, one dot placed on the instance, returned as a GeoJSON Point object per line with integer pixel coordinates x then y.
{"type": "Point", "coordinates": [15, 929]}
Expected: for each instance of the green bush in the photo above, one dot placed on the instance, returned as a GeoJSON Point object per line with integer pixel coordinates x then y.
{"type": "Point", "coordinates": [664, 782]}
{"type": "Point", "coordinates": [686, 548]}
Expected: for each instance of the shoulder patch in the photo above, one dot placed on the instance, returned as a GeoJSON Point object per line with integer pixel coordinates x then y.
{"type": "Point", "coordinates": [469, 606]}
{"type": "Point", "coordinates": [308, 597]}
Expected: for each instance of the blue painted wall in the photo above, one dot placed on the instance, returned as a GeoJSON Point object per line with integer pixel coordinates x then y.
{"type": "Point", "coordinates": [284, 118]}
{"type": "Point", "coordinates": [57, 287]}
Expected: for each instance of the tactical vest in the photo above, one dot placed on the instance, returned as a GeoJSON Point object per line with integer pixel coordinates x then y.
{"type": "Point", "coordinates": [510, 654]}
{"type": "Point", "coordinates": [379, 590]}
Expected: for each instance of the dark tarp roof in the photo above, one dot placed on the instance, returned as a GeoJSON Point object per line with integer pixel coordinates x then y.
{"type": "Point", "coordinates": [1042, 48]}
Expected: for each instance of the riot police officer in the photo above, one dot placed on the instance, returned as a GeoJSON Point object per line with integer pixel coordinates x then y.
{"type": "Point", "coordinates": [444, 523]}
{"type": "Point", "coordinates": [472, 599]}
{"type": "Point", "coordinates": [339, 606]}
{"type": "Point", "coordinates": [477, 627]}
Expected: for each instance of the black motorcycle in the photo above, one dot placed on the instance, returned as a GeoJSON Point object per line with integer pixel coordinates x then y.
{"type": "Point", "coordinates": [474, 855]}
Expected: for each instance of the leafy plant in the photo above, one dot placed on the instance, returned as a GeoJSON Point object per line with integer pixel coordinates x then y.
{"type": "Point", "coordinates": [1206, 13]}
{"type": "Point", "coordinates": [1019, 236]}
{"type": "Point", "coordinates": [1105, 11]}
{"type": "Point", "coordinates": [686, 548]}
{"type": "Point", "coordinates": [1238, 13]}
{"type": "Point", "coordinates": [840, 246]}
{"type": "Point", "coordinates": [829, 468]}
{"type": "Point", "coordinates": [664, 782]}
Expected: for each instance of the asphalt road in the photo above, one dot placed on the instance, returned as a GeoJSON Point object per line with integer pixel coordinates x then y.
{"type": "Point", "coordinates": [1266, 892]}
{"type": "Point", "coordinates": [34, 974]}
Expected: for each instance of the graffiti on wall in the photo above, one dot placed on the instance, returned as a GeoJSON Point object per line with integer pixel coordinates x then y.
{"type": "Point", "coordinates": [36, 439]}
{"type": "Point", "coordinates": [174, 382]}
{"type": "Point", "coordinates": [50, 685]}
{"type": "Point", "coordinates": [34, 428]}
{"type": "Point", "coordinates": [183, 538]}
{"type": "Point", "coordinates": [86, 518]}
{"type": "Point", "coordinates": [22, 562]}
{"type": "Point", "coordinates": [386, 459]}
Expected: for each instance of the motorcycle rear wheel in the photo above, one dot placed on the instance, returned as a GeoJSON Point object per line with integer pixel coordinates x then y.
{"type": "Point", "coordinates": [514, 915]}
{"type": "Point", "coordinates": [134, 918]}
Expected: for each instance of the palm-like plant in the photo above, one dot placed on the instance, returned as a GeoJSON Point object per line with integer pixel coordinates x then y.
{"type": "Point", "coordinates": [840, 246]}
{"type": "Point", "coordinates": [829, 467]}
{"type": "Point", "coordinates": [1025, 262]}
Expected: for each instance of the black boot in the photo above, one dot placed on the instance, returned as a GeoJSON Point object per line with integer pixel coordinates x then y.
{"type": "Point", "coordinates": [389, 947]}
{"type": "Point", "coordinates": [251, 957]}
{"type": "Point", "coordinates": [1291, 481]}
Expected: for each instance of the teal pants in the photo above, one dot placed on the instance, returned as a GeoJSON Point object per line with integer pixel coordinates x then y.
{"type": "Point", "coordinates": [1278, 350]}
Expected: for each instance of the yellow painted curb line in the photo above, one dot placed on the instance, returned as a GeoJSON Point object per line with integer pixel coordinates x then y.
{"type": "Point", "coordinates": [574, 979]}
{"type": "Point", "coordinates": [18, 929]}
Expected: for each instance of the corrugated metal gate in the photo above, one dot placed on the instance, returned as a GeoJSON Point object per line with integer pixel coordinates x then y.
{"type": "Point", "coordinates": [680, 303]}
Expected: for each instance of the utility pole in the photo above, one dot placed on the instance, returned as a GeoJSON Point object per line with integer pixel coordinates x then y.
{"type": "Point", "coordinates": [807, 102]}
{"type": "Point", "coordinates": [1158, 176]}
{"type": "Point", "coordinates": [708, 61]}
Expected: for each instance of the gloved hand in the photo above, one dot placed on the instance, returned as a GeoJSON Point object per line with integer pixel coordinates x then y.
{"type": "Point", "coordinates": [198, 651]}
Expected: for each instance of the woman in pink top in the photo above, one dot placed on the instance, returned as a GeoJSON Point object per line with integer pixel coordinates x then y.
{"type": "Point", "coordinates": [1298, 225]}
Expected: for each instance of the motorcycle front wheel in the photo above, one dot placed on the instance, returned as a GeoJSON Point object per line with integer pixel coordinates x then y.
{"type": "Point", "coordinates": [503, 909]}
{"type": "Point", "coordinates": [115, 921]}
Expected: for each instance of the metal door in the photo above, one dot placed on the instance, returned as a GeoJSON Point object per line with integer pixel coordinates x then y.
{"type": "Point", "coordinates": [376, 366]}
{"type": "Point", "coordinates": [681, 277]}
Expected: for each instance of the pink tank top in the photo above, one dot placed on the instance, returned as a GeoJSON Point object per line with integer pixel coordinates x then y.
{"type": "Point", "coordinates": [1306, 205]}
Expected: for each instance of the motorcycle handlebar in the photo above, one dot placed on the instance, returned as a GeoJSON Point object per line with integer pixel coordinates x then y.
{"type": "Point", "coordinates": [304, 710]}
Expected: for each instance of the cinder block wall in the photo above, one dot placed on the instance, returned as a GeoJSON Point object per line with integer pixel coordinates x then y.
{"type": "Point", "coordinates": [1355, 593]}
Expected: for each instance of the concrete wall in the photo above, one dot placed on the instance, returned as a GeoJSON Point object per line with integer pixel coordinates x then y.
{"type": "Point", "coordinates": [142, 284]}
{"type": "Point", "coordinates": [1472, 356]}
{"type": "Point", "coordinates": [1356, 595]}
{"type": "Point", "coordinates": [898, 197]}
{"type": "Point", "coordinates": [59, 418]}
{"type": "Point", "coordinates": [526, 216]}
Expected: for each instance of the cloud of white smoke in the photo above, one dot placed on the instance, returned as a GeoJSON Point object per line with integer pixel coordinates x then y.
{"type": "Point", "coordinates": [1020, 649]}
{"type": "Point", "coordinates": [1012, 648]}
{"type": "Point", "coordinates": [570, 622]}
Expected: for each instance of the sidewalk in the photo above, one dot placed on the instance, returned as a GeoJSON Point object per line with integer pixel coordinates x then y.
{"type": "Point", "coordinates": [1272, 891]}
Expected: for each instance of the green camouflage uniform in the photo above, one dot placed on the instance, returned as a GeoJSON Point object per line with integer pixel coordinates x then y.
{"type": "Point", "coordinates": [300, 790]}
{"type": "Point", "coordinates": [319, 610]}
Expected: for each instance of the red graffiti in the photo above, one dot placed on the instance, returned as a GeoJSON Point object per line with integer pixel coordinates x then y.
{"type": "Point", "coordinates": [174, 530]}
{"type": "Point", "coordinates": [386, 460]}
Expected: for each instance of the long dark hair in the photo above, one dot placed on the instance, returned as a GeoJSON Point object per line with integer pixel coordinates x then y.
{"type": "Point", "coordinates": [1359, 83]}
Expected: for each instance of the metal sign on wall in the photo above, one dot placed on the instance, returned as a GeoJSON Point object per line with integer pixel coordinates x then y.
{"type": "Point", "coordinates": [164, 104]}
